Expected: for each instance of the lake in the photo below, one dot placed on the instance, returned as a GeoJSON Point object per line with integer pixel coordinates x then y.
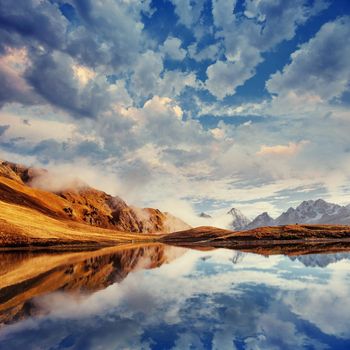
{"type": "Point", "coordinates": [162, 297]}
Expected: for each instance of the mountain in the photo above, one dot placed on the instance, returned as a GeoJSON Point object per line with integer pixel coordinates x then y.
{"type": "Point", "coordinates": [28, 206]}
{"type": "Point", "coordinates": [308, 212]}
{"type": "Point", "coordinates": [287, 239]}
{"type": "Point", "coordinates": [320, 260]}
{"type": "Point", "coordinates": [239, 220]}
{"type": "Point", "coordinates": [205, 215]}
{"type": "Point", "coordinates": [261, 220]}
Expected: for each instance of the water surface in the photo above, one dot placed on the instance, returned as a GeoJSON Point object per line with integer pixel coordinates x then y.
{"type": "Point", "coordinates": [161, 297]}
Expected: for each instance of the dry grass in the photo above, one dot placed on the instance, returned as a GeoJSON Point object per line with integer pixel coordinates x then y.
{"type": "Point", "coordinates": [211, 235]}
{"type": "Point", "coordinates": [20, 226]}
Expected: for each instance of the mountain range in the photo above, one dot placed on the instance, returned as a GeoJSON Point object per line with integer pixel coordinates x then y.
{"type": "Point", "coordinates": [41, 209]}
{"type": "Point", "coordinates": [308, 212]}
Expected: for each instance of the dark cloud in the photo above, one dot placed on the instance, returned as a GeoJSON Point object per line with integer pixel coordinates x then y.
{"type": "Point", "coordinates": [103, 36]}
{"type": "Point", "coordinates": [14, 89]}
{"type": "Point", "coordinates": [109, 34]}
{"type": "Point", "coordinates": [33, 20]}
{"type": "Point", "coordinates": [3, 129]}
{"type": "Point", "coordinates": [52, 77]}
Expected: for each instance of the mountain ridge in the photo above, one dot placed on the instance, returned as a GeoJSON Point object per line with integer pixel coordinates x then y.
{"type": "Point", "coordinates": [310, 211]}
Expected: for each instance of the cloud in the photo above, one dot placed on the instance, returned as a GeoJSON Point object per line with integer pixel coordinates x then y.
{"type": "Point", "coordinates": [3, 129]}
{"type": "Point", "coordinates": [109, 33]}
{"type": "Point", "coordinates": [37, 130]}
{"type": "Point", "coordinates": [282, 150]}
{"type": "Point", "coordinates": [98, 85]}
{"type": "Point", "coordinates": [146, 73]}
{"type": "Point", "coordinates": [14, 87]}
{"type": "Point", "coordinates": [223, 13]}
{"type": "Point", "coordinates": [319, 68]}
{"type": "Point", "coordinates": [58, 79]}
{"type": "Point", "coordinates": [266, 24]}
{"type": "Point", "coordinates": [172, 48]}
{"type": "Point", "coordinates": [39, 21]}
{"type": "Point", "coordinates": [331, 296]}
{"type": "Point", "coordinates": [188, 11]}
{"type": "Point", "coordinates": [209, 52]}
{"type": "Point", "coordinates": [281, 295]}
{"type": "Point", "coordinates": [225, 76]}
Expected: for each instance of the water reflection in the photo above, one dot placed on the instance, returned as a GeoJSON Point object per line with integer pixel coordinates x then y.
{"type": "Point", "coordinates": [175, 299]}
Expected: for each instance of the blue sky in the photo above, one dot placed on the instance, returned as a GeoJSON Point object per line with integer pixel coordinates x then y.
{"type": "Point", "coordinates": [184, 105]}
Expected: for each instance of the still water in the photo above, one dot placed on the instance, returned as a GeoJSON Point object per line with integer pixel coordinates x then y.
{"type": "Point", "coordinates": [161, 297]}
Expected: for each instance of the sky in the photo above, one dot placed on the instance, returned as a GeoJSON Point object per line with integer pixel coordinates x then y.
{"type": "Point", "coordinates": [184, 105]}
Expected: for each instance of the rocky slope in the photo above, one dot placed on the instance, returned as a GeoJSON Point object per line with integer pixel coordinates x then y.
{"type": "Point", "coordinates": [21, 185]}
{"type": "Point", "coordinates": [261, 220]}
{"type": "Point", "coordinates": [239, 220]}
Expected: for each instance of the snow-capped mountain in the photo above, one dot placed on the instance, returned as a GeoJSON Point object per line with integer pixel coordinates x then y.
{"type": "Point", "coordinates": [320, 260]}
{"type": "Point", "coordinates": [308, 212]}
{"type": "Point", "coordinates": [239, 220]}
{"type": "Point", "coordinates": [311, 212]}
{"type": "Point", "coordinates": [261, 220]}
{"type": "Point", "coordinates": [205, 215]}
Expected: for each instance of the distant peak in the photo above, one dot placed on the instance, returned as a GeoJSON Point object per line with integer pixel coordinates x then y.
{"type": "Point", "coordinates": [234, 211]}
{"type": "Point", "coordinates": [204, 215]}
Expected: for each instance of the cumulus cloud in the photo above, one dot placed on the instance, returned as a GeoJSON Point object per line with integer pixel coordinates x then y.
{"type": "Point", "coordinates": [223, 12]}
{"type": "Point", "coordinates": [146, 73]}
{"type": "Point", "coordinates": [245, 40]}
{"type": "Point", "coordinates": [96, 83]}
{"type": "Point", "coordinates": [225, 76]}
{"type": "Point", "coordinates": [40, 21]}
{"type": "Point", "coordinates": [58, 79]}
{"type": "Point", "coordinates": [209, 52]}
{"type": "Point", "coordinates": [188, 11]}
{"type": "Point", "coordinates": [172, 48]}
{"type": "Point", "coordinates": [319, 69]}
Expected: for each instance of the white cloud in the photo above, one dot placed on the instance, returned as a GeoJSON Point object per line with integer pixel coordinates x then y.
{"type": "Point", "coordinates": [223, 12]}
{"type": "Point", "coordinates": [209, 52]}
{"type": "Point", "coordinates": [282, 150]}
{"type": "Point", "coordinates": [188, 11]}
{"type": "Point", "coordinates": [225, 76]}
{"type": "Point", "coordinates": [319, 69]}
{"type": "Point", "coordinates": [172, 48]}
{"type": "Point", "coordinates": [34, 130]}
{"type": "Point", "coordinates": [146, 73]}
{"type": "Point", "coordinates": [245, 40]}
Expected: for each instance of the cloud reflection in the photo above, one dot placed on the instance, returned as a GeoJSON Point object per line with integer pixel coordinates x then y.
{"type": "Point", "coordinates": [258, 303]}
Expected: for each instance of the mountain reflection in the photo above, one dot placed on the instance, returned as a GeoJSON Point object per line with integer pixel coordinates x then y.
{"type": "Point", "coordinates": [27, 275]}
{"type": "Point", "coordinates": [160, 297]}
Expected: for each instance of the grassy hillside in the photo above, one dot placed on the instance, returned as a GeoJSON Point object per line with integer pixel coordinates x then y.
{"type": "Point", "coordinates": [22, 227]}
{"type": "Point", "coordinates": [76, 201]}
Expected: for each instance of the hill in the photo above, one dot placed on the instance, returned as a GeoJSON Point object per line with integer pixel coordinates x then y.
{"type": "Point", "coordinates": [74, 214]}
{"type": "Point", "coordinates": [279, 238]}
